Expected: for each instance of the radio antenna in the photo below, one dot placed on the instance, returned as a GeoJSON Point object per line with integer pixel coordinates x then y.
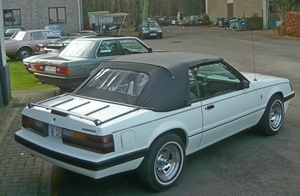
{"type": "Point", "coordinates": [255, 79]}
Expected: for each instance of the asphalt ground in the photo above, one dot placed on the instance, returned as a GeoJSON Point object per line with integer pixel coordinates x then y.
{"type": "Point", "coordinates": [244, 164]}
{"type": "Point", "coordinates": [215, 170]}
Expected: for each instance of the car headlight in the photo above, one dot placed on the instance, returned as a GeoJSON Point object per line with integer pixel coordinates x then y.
{"type": "Point", "coordinates": [145, 29]}
{"type": "Point", "coordinates": [159, 31]}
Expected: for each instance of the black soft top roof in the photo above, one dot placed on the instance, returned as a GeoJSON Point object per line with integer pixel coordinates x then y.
{"type": "Point", "coordinates": [172, 61]}
{"type": "Point", "coordinates": [167, 87]}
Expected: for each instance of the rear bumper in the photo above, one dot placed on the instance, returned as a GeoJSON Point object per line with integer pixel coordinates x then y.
{"type": "Point", "coordinates": [152, 34]}
{"type": "Point", "coordinates": [63, 82]}
{"type": "Point", "coordinates": [86, 167]}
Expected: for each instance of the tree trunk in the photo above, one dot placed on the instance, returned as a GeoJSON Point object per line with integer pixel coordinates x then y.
{"type": "Point", "coordinates": [139, 13]}
{"type": "Point", "coordinates": [145, 10]}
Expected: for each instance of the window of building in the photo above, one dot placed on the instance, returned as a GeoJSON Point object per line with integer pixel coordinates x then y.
{"type": "Point", "coordinates": [12, 17]}
{"type": "Point", "coordinates": [57, 15]}
{"type": "Point", "coordinates": [274, 10]}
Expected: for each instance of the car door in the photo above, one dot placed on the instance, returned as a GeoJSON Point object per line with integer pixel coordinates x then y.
{"type": "Point", "coordinates": [133, 46]}
{"type": "Point", "coordinates": [36, 38]}
{"type": "Point", "coordinates": [228, 106]}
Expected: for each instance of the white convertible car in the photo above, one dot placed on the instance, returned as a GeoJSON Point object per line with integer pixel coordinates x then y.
{"type": "Point", "coordinates": [148, 111]}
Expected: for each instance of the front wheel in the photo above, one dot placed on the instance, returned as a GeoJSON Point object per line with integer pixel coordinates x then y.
{"type": "Point", "coordinates": [164, 162]}
{"type": "Point", "coordinates": [272, 119]}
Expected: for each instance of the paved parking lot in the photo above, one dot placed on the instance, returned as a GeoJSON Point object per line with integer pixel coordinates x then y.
{"type": "Point", "coordinates": [245, 164]}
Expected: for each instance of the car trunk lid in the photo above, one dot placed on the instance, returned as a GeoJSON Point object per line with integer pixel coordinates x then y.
{"type": "Point", "coordinates": [90, 111]}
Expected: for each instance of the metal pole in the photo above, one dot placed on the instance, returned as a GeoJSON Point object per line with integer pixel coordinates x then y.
{"type": "Point", "coordinates": [3, 80]}
{"type": "Point", "coordinates": [79, 15]}
{"type": "Point", "coordinates": [4, 71]}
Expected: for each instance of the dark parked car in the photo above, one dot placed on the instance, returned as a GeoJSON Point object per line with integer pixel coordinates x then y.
{"type": "Point", "coordinates": [11, 30]}
{"type": "Point", "coordinates": [76, 61]}
{"type": "Point", "coordinates": [84, 33]}
{"type": "Point", "coordinates": [149, 28]}
{"type": "Point", "coordinates": [55, 47]}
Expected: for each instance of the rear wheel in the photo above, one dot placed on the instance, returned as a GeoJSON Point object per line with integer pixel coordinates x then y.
{"type": "Point", "coordinates": [164, 162]}
{"type": "Point", "coordinates": [272, 119]}
{"type": "Point", "coordinates": [24, 53]}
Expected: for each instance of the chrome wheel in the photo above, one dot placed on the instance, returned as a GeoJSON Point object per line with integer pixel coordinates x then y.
{"type": "Point", "coordinates": [163, 163]}
{"type": "Point", "coordinates": [276, 115]}
{"type": "Point", "coordinates": [168, 162]}
{"type": "Point", "coordinates": [272, 119]}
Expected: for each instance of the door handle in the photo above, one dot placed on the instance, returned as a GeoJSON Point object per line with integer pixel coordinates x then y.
{"type": "Point", "coordinates": [210, 107]}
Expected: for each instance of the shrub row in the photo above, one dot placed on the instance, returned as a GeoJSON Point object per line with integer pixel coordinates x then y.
{"type": "Point", "coordinates": [292, 24]}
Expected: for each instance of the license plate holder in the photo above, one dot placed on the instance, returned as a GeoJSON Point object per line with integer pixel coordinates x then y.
{"type": "Point", "coordinates": [50, 68]}
{"type": "Point", "coordinates": [56, 131]}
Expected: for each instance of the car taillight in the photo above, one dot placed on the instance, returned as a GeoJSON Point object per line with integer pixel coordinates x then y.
{"type": "Point", "coordinates": [63, 70]}
{"type": "Point", "coordinates": [35, 126]}
{"type": "Point", "coordinates": [25, 65]}
{"type": "Point", "coordinates": [37, 48]}
{"type": "Point", "coordinates": [39, 67]}
{"type": "Point", "coordinates": [100, 144]}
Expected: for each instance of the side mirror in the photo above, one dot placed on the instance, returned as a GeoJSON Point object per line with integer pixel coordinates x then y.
{"type": "Point", "coordinates": [245, 84]}
{"type": "Point", "coordinates": [150, 50]}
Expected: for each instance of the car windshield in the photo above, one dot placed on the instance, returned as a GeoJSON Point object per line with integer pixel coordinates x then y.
{"type": "Point", "coordinates": [78, 48]}
{"type": "Point", "coordinates": [115, 81]}
{"type": "Point", "coordinates": [150, 24]}
{"type": "Point", "coordinates": [19, 35]}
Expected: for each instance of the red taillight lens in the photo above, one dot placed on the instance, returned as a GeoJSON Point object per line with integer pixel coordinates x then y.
{"type": "Point", "coordinates": [35, 126]}
{"type": "Point", "coordinates": [63, 70]}
{"type": "Point", "coordinates": [100, 144]}
{"type": "Point", "coordinates": [39, 67]}
{"type": "Point", "coordinates": [25, 65]}
{"type": "Point", "coordinates": [37, 48]}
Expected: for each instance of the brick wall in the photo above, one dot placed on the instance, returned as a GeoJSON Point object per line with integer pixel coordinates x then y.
{"type": "Point", "coordinates": [246, 8]}
{"type": "Point", "coordinates": [34, 13]}
{"type": "Point", "coordinates": [217, 9]}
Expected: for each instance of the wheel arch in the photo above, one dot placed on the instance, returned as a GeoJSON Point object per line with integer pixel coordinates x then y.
{"type": "Point", "coordinates": [275, 93]}
{"type": "Point", "coordinates": [180, 132]}
{"type": "Point", "coordinates": [22, 47]}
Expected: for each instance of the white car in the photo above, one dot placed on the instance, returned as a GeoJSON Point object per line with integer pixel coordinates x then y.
{"type": "Point", "coordinates": [148, 111]}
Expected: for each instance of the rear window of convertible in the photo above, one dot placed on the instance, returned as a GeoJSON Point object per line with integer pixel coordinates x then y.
{"type": "Point", "coordinates": [114, 80]}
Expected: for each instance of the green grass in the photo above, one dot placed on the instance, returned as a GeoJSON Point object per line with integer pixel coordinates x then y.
{"type": "Point", "coordinates": [21, 79]}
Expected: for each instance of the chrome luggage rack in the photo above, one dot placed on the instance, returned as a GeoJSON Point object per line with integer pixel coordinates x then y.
{"type": "Point", "coordinates": [62, 112]}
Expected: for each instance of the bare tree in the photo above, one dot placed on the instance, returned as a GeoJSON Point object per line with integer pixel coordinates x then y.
{"type": "Point", "coordinates": [284, 6]}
